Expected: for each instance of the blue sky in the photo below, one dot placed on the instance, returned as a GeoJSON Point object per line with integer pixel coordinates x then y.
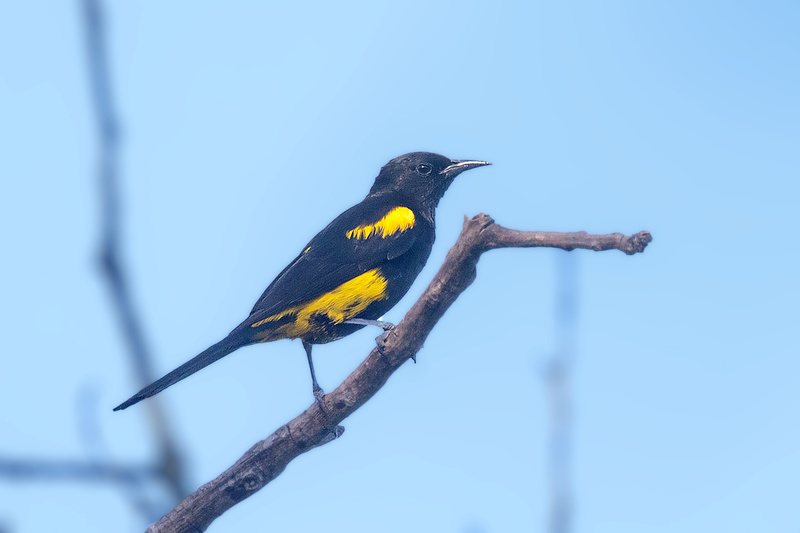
{"type": "Point", "coordinates": [248, 126]}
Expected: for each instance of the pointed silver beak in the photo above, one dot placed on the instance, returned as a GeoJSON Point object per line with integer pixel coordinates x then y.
{"type": "Point", "coordinates": [457, 167]}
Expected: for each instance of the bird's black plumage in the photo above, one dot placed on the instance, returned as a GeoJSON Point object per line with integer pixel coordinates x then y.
{"type": "Point", "coordinates": [358, 267]}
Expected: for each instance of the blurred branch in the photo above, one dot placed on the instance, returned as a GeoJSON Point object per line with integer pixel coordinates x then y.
{"type": "Point", "coordinates": [133, 479]}
{"type": "Point", "coordinates": [558, 376]}
{"type": "Point", "coordinates": [168, 468]}
{"type": "Point", "coordinates": [76, 470]}
{"type": "Point", "coordinates": [267, 459]}
{"type": "Point", "coordinates": [115, 275]}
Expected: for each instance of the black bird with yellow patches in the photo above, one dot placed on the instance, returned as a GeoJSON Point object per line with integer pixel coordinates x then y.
{"type": "Point", "coordinates": [351, 273]}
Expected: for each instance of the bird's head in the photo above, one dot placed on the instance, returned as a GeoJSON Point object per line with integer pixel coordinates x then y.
{"type": "Point", "coordinates": [421, 176]}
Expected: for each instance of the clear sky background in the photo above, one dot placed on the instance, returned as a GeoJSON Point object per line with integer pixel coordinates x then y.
{"type": "Point", "coordinates": [248, 126]}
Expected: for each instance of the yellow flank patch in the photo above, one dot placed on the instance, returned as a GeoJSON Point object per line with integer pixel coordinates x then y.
{"type": "Point", "coordinates": [306, 250]}
{"type": "Point", "coordinates": [398, 219]}
{"type": "Point", "coordinates": [342, 303]}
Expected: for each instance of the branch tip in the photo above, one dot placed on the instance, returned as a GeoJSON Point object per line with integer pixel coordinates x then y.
{"type": "Point", "coordinates": [637, 243]}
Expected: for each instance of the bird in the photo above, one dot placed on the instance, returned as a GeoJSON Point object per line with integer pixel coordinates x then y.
{"type": "Point", "coordinates": [351, 273]}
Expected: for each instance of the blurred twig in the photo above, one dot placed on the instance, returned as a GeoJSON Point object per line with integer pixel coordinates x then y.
{"type": "Point", "coordinates": [558, 375]}
{"type": "Point", "coordinates": [168, 468]}
{"type": "Point", "coordinates": [132, 479]}
{"type": "Point", "coordinates": [135, 480]}
{"type": "Point", "coordinates": [267, 459]}
{"type": "Point", "coordinates": [108, 128]}
{"type": "Point", "coordinates": [76, 470]}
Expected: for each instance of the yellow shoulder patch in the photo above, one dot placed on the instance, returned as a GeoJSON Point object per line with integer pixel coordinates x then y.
{"type": "Point", "coordinates": [397, 220]}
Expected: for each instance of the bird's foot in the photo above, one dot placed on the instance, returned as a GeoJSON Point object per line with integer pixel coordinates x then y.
{"type": "Point", "coordinates": [318, 394]}
{"type": "Point", "coordinates": [338, 430]}
{"type": "Point", "coordinates": [333, 435]}
{"type": "Point", "coordinates": [380, 340]}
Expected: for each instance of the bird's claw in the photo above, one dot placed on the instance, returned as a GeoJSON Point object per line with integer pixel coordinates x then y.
{"type": "Point", "coordinates": [318, 395]}
{"type": "Point", "coordinates": [333, 435]}
{"type": "Point", "coordinates": [380, 340]}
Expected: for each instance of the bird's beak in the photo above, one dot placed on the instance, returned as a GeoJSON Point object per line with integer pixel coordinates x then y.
{"type": "Point", "coordinates": [457, 167]}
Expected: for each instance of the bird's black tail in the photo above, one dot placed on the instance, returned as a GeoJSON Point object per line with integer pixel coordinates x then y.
{"type": "Point", "coordinates": [215, 352]}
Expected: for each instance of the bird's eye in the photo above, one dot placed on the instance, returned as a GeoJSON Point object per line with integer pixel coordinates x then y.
{"type": "Point", "coordinates": [424, 169]}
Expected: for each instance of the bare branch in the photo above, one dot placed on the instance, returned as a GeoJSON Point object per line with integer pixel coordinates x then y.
{"type": "Point", "coordinates": [266, 460]}
{"type": "Point", "coordinates": [510, 238]}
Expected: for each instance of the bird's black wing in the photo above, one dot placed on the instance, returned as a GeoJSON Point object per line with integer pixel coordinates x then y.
{"type": "Point", "coordinates": [362, 238]}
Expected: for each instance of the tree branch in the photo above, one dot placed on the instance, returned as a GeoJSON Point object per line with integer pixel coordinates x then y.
{"type": "Point", "coordinates": [110, 262]}
{"type": "Point", "coordinates": [69, 470]}
{"type": "Point", "coordinates": [266, 460]}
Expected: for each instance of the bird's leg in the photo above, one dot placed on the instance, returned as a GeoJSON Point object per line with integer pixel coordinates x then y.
{"type": "Point", "coordinates": [387, 326]}
{"type": "Point", "coordinates": [316, 389]}
{"type": "Point", "coordinates": [318, 394]}
{"type": "Point", "coordinates": [380, 340]}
